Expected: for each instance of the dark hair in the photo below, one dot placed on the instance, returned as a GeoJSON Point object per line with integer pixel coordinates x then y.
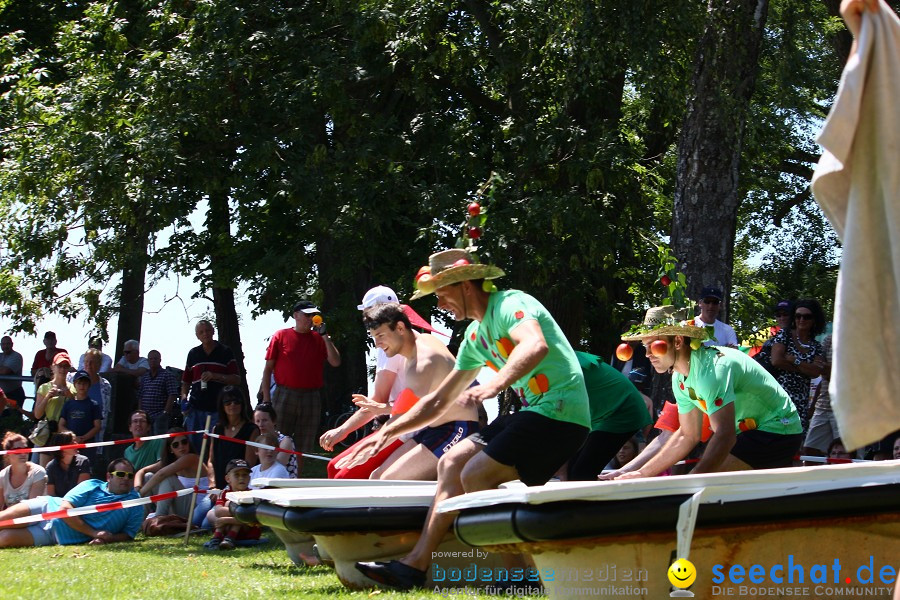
{"type": "Point", "coordinates": [232, 391]}
{"type": "Point", "coordinates": [117, 461]}
{"type": "Point", "coordinates": [139, 412]}
{"type": "Point", "coordinates": [62, 438]}
{"type": "Point", "coordinates": [166, 454]}
{"type": "Point", "coordinates": [834, 443]}
{"type": "Point", "coordinates": [389, 313]}
{"type": "Point", "coordinates": [267, 408]}
{"type": "Point", "coordinates": [817, 313]}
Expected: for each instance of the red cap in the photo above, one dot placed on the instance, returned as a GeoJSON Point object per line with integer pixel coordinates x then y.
{"type": "Point", "coordinates": [417, 321]}
{"type": "Point", "coordinates": [61, 358]}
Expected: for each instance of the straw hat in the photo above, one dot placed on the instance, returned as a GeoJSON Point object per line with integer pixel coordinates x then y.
{"type": "Point", "coordinates": [445, 271]}
{"type": "Point", "coordinates": [666, 320]}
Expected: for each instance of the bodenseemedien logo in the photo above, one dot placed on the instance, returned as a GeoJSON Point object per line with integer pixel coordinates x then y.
{"type": "Point", "coordinates": [682, 575]}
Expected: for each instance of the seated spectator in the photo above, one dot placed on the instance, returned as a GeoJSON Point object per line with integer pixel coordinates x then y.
{"type": "Point", "coordinates": [95, 528]}
{"type": "Point", "coordinates": [228, 529]}
{"type": "Point", "coordinates": [836, 450]}
{"type": "Point", "coordinates": [68, 468]}
{"type": "Point", "coordinates": [132, 363]}
{"type": "Point", "coordinates": [81, 415]}
{"type": "Point", "coordinates": [44, 358]}
{"type": "Point", "coordinates": [96, 343]}
{"type": "Point", "coordinates": [142, 453]}
{"type": "Point", "coordinates": [268, 466]}
{"type": "Point", "coordinates": [897, 449]}
{"type": "Point", "coordinates": [158, 390]}
{"type": "Point", "coordinates": [266, 419]}
{"type": "Point", "coordinates": [234, 422]}
{"type": "Point", "coordinates": [52, 395]}
{"type": "Point", "coordinates": [627, 453]}
{"type": "Point", "coordinates": [21, 479]}
{"type": "Point", "coordinates": [176, 470]}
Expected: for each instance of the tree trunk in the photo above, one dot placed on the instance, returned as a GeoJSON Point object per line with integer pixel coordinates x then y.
{"type": "Point", "coordinates": [229, 332]}
{"type": "Point", "coordinates": [709, 150]}
{"type": "Point", "coordinates": [131, 293]}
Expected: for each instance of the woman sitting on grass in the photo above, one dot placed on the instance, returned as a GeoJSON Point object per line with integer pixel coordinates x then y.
{"type": "Point", "coordinates": [21, 479]}
{"type": "Point", "coordinates": [68, 468]}
{"type": "Point", "coordinates": [176, 470]}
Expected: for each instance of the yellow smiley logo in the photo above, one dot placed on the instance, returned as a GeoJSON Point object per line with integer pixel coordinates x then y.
{"type": "Point", "coordinates": [682, 573]}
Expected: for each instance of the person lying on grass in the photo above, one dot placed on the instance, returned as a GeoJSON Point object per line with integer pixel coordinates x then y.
{"type": "Point", "coordinates": [98, 528]}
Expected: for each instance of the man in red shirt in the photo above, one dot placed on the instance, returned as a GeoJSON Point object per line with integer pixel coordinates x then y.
{"type": "Point", "coordinates": [296, 356]}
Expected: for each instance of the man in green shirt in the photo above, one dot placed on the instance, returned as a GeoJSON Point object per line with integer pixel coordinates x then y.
{"type": "Point", "coordinates": [754, 422]}
{"type": "Point", "coordinates": [141, 453]}
{"type": "Point", "coordinates": [513, 334]}
{"type": "Point", "coordinates": [618, 412]}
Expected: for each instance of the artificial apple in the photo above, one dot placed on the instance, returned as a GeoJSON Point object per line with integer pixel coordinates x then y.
{"type": "Point", "coordinates": [422, 271]}
{"type": "Point", "coordinates": [624, 352]}
{"type": "Point", "coordinates": [665, 281]}
{"type": "Point", "coordinates": [317, 320]}
{"type": "Point", "coordinates": [696, 343]}
{"type": "Point", "coordinates": [659, 348]}
{"type": "Point", "coordinates": [474, 209]}
{"type": "Point", "coordinates": [425, 284]}
{"type": "Point", "coordinates": [474, 232]}
{"type": "Point", "coordinates": [461, 262]}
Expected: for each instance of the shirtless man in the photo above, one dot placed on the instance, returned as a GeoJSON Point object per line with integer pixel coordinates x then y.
{"type": "Point", "coordinates": [428, 362]}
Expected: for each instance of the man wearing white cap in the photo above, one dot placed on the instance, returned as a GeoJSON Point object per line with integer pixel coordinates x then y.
{"type": "Point", "coordinates": [388, 383]}
{"type": "Point", "coordinates": [296, 356]}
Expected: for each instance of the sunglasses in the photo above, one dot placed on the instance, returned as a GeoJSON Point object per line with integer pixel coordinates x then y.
{"type": "Point", "coordinates": [231, 401]}
{"type": "Point", "coordinates": [711, 301]}
{"type": "Point", "coordinates": [178, 443]}
{"type": "Point", "coordinates": [122, 474]}
{"type": "Point", "coordinates": [803, 316]}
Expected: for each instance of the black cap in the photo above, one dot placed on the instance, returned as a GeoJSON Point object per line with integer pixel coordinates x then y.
{"type": "Point", "coordinates": [711, 292]}
{"type": "Point", "coordinates": [80, 374]}
{"type": "Point", "coordinates": [236, 463]}
{"type": "Point", "coordinates": [785, 305]}
{"type": "Point", "coordinates": [306, 307]}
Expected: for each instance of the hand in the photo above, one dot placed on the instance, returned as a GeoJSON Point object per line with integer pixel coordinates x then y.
{"type": "Point", "coordinates": [367, 403]}
{"type": "Point", "coordinates": [852, 10]}
{"type": "Point", "coordinates": [102, 537]}
{"type": "Point", "coordinates": [476, 394]}
{"type": "Point", "coordinates": [611, 475]}
{"type": "Point", "coordinates": [364, 450]}
{"type": "Point", "coordinates": [206, 376]}
{"type": "Point", "coordinates": [330, 438]}
{"type": "Point", "coordinates": [320, 329]}
{"type": "Point", "coordinates": [630, 475]}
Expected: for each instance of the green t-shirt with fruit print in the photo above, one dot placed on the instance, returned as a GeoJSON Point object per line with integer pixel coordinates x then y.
{"type": "Point", "coordinates": [555, 387]}
{"type": "Point", "coordinates": [719, 376]}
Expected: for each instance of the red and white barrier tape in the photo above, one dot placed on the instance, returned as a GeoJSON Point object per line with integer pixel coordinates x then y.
{"type": "Point", "coordinates": [264, 446]}
{"type": "Point", "coordinates": [156, 437]}
{"type": "Point", "coordinates": [87, 510]}
{"type": "Point", "coordinates": [97, 444]}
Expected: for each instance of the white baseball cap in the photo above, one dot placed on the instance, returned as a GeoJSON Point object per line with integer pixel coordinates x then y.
{"type": "Point", "coordinates": [377, 295]}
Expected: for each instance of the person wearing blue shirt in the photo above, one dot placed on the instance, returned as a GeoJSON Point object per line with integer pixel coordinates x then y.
{"type": "Point", "coordinates": [105, 527]}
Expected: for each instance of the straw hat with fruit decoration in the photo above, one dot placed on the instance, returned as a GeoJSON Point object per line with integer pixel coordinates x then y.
{"type": "Point", "coordinates": [459, 264]}
{"type": "Point", "coordinates": [666, 320]}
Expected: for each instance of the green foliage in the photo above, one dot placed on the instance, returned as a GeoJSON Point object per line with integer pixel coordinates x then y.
{"type": "Point", "coordinates": [327, 146]}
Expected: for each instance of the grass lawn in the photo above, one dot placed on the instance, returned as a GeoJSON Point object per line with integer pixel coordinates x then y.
{"type": "Point", "coordinates": [164, 568]}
